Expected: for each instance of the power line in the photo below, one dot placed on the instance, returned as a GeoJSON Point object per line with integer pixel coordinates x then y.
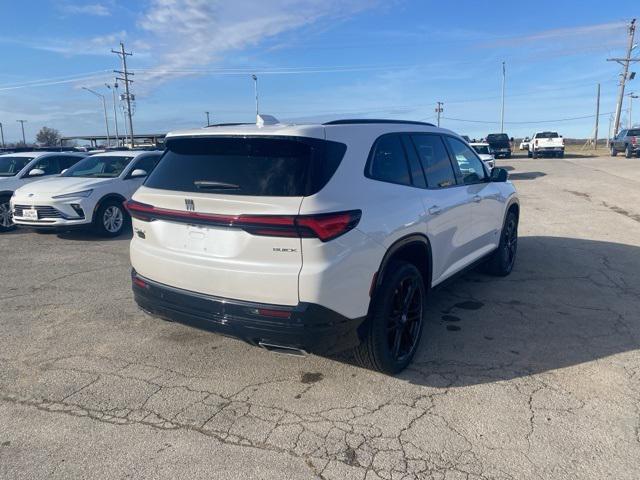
{"type": "Point", "coordinates": [525, 123]}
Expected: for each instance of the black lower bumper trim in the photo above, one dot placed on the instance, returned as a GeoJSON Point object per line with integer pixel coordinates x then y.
{"type": "Point", "coordinates": [306, 326]}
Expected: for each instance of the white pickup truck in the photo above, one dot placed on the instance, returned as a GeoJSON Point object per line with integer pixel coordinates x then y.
{"type": "Point", "coordinates": [546, 143]}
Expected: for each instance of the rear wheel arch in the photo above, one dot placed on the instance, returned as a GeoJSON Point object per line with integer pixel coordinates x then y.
{"type": "Point", "coordinates": [415, 249]}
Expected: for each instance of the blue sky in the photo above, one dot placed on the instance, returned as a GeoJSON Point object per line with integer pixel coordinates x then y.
{"type": "Point", "coordinates": [316, 60]}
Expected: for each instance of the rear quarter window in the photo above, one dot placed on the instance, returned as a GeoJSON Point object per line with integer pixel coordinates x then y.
{"type": "Point", "coordinates": [253, 166]}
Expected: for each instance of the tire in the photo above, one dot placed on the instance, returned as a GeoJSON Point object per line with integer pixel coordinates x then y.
{"type": "Point", "coordinates": [613, 152]}
{"type": "Point", "coordinates": [394, 326]}
{"type": "Point", "coordinates": [6, 220]}
{"type": "Point", "coordinates": [110, 219]}
{"type": "Point", "coordinates": [501, 261]}
{"type": "Point", "coordinates": [534, 154]}
{"type": "Point", "coordinates": [628, 152]}
{"type": "Point", "coordinates": [529, 154]}
{"type": "Point", "coordinates": [560, 155]}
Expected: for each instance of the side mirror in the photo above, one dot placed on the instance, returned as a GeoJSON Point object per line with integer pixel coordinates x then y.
{"type": "Point", "coordinates": [499, 175]}
{"type": "Point", "coordinates": [137, 173]}
{"type": "Point", "coordinates": [512, 139]}
{"type": "Point", "coordinates": [36, 172]}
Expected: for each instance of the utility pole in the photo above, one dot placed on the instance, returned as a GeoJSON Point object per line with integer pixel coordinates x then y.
{"type": "Point", "coordinates": [439, 110]}
{"type": "Point", "coordinates": [208, 123]}
{"type": "Point", "coordinates": [624, 76]}
{"type": "Point", "coordinates": [104, 107]}
{"type": "Point", "coordinates": [595, 134]}
{"type": "Point", "coordinates": [24, 141]}
{"type": "Point", "coordinates": [631, 97]}
{"type": "Point", "coordinates": [504, 79]}
{"type": "Point", "coordinates": [115, 112]}
{"type": "Point", "coordinates": [2, 135]}
{"type": "Point", "coordinates": [255, 87]}
{"type": "Point", "coordinates": [609, 132]}
{"type": "Point", "coordinates": [125, 73]}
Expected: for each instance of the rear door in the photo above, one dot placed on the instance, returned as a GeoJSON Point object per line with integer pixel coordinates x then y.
{"type": "Point", "coordinates": [230, 200]}
{"type": "Point", "coordinates": [447, 206]}
{"type": "Point", "coordinates": [486, 211]}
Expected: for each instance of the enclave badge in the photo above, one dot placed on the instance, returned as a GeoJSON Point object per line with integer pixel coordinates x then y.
{"type": "Point", "coordinates": [189, 204]}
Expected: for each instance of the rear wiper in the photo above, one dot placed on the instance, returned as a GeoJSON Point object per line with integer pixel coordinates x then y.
{"type": "Point", "coordinates": [207, 185]}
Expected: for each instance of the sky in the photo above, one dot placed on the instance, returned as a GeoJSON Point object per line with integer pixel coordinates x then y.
{"type": "Point", "coordinates": [316, 60]}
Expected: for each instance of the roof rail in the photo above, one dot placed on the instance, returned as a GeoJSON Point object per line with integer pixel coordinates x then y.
{"type": "Point", "coordinates": [228, 124]}
{"type": "Point", "coordinates": [356, 121]}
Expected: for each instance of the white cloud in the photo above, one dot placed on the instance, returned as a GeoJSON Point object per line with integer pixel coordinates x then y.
{"type": "Point", "coordinates": [96, 9]}
{"type": "Point", "coordinates": [192, 33]}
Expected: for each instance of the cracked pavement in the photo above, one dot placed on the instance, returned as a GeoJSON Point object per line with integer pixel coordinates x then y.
{"type": "Point", "coordinates": [536, 375]}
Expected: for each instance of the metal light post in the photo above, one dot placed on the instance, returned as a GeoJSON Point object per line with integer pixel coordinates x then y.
{"type": "Point", "coordinates": [104, 107]}
{"type": "Point", "coordinates": [504, 78]}
{"type": "Point", "coordinates": [255, 86]}
{"type": "Point", "coordinates": [24, 140]}
{"type": "Point", "coordinates": [631, 96]}
{"type": "Point", "coordinates": [208, 122]}
{"type": "Point", "coordinates": [2, 135]}
{"type": "Point", "coordinates": [115, 111]}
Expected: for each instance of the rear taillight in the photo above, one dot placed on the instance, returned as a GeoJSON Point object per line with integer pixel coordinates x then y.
{"type": "Point", "coordinates": [324, 226]}
{"type": "Point", "coordinates": [634, 140]}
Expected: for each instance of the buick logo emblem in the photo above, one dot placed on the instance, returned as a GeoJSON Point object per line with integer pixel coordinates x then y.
{"type": "Point", "coordinates": [188, 203]}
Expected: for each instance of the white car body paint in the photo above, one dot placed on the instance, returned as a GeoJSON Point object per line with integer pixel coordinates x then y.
{"type": "Point", "coordinates": [462, 224]}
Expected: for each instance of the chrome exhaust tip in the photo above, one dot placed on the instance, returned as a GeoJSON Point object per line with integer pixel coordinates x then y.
{"type": "Point", "coordinates": [283, 350]}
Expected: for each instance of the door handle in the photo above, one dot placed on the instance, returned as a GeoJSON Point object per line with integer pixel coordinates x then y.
{"type": "Point", "coordinates": [477, 198]}
{"type": "Point", "coordinates": [435, 210]}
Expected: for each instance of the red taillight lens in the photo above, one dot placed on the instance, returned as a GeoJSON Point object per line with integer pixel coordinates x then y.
{"type": "Point", "coordinates": [328, 226]}
{"type": "Point", "coordinates": [324, 226]}
{"type": "Point", "coordinates": [634, 140]}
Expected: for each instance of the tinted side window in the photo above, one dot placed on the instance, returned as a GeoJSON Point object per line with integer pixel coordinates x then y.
{"type": "Point", "coordinates": [469, 165]}
{"type": "Point", "coordinates": [146, 163]}
{"type": "Point", "coordinates": [49, 165]}
{"type": "Point", "coordinates": [68, 162]}
{"type": "Point", "coordinates": [435, 159]}
{"type": "Point", "coordinates": [388, 162]}
{"type": "Point", "coordinates": [417, 174]}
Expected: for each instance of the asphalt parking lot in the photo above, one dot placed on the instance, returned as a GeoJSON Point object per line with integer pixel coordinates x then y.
{"type": "Point", "coordinates": [536, 375]}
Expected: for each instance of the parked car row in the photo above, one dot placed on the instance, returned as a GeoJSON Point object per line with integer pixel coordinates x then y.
{"type": "Point", "coordinates": [381, 211]}
{"type": "Point", "coordinates": [627, 141]}
{"type": "Point", "coordinates": [70, 190]}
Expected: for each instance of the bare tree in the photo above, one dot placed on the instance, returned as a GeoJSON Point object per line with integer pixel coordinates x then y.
{"type": "Point", "coordinates": [48, 137]}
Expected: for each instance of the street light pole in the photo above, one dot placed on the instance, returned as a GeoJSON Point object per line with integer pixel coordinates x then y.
{"type": "Point", "coordinates": [2, 135]}
{"type": "Point", "coordinates": [208, 122]}
{"type": "Point", "coordinates": [24, 141]}
{"type": "Point", "coordinates": [504, 78]}
{"type": "Point", "coordinates": [104, 107]}
{"type": "Point", "coordinates": [631, 96]}
{"type": "Point", "coordinates": [115, 112]}
{"type": "Point", "coordinates": [255, 86]}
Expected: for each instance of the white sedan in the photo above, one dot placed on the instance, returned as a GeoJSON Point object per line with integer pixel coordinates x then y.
{"type": "Point", "coordinates": [18, 169]}
{"type": "Point", "coordinates": [484, 152]}
{"type": "Point", "coordinates": [89, 194]}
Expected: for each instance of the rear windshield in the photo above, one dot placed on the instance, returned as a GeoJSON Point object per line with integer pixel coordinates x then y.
{"type": "Point", "coordinates": [547, 135]}
{"type": "Point", "coordinates": [497, 137]}
{"type": "Point", "coordinates": [254, 166]}
{"type": "Point", "coordinates": [634, 132]}
{"type": "Point", "coordinates": [10, 166]}
{"type": "Point", "coordinates": [99, 167]}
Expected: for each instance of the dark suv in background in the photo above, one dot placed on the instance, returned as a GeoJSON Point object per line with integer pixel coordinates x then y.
{"type": "Point", "coordinates": [500, 144]}
{"type": "Point", "coordinates": [627, 141]}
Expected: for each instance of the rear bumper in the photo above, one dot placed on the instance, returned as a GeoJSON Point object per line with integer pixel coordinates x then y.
{"type": "Point", "coordinates": [308, 327]}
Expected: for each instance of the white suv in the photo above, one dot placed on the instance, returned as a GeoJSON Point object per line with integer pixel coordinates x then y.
{"type": "Point", "coordinates": [18, 169]}
{"type": "Point", "coordinates": [316, 238]}
{"type": "Point", "coordinates": [89, 194]}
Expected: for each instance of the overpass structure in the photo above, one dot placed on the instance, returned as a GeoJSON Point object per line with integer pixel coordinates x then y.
{"type": "Point", "coordinates": [149, 139]}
